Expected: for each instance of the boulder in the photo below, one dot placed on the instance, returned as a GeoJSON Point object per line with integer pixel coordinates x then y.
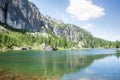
{"type": "Point", "coordinates": [43, 46]}
{"type": "Point", "coordinates": [47, 47]}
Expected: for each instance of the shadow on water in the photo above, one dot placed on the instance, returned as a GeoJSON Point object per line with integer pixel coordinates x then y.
{"type": "Point", "coordinates": [36, 63]}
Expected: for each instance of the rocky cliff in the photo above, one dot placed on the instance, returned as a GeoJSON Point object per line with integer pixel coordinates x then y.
{"type": "Point", "coordinates": [20, 14]}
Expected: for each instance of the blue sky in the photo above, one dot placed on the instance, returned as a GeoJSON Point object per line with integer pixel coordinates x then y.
{"type": "Point", "coordinates": [100, 17]}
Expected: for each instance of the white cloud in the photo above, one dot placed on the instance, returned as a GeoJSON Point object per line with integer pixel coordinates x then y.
{"type": "Point", "coordinates": [84, 10]}
{"type": "Point", "coordinates": [88, 26]}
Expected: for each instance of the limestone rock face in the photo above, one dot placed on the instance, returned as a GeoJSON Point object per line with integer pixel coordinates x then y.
{"type": "Point", "coordinates": [20, 14]}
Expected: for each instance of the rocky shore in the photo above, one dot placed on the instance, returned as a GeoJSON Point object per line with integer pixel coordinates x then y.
{"type": "Point", "coordinates": [6, 75]}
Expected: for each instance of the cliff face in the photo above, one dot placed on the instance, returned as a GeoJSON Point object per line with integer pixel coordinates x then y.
{"type": "Point", "coordinates": [20, 13]}
{"type": "Point", "coordinates": [24, 14]}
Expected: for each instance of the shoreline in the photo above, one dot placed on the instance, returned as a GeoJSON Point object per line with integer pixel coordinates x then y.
{"type": "Point", "coordinates": [58, 49]}
{"type": "Point", "coordinates": [32, 49]}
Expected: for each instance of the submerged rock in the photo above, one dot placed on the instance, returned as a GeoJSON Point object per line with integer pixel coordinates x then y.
{"type": "Point", "coordinates": [0, 70]}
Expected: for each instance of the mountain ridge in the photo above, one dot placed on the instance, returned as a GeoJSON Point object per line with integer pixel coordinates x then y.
{"type": "Point", "coordinates": [24, 15]}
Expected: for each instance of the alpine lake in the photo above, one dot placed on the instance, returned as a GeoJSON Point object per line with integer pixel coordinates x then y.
{"type": "Point", "coordinates": [81, 64]}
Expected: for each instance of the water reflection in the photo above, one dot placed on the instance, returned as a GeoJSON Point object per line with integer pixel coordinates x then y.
{"type": "Point", "coordinates": [48, 63]}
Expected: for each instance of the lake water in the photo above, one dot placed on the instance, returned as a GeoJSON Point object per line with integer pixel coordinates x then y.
{"type": "Point", "coordinates": [83, 64]}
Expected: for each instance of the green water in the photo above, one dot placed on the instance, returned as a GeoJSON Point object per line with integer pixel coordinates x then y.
{"type": "Point", "coordinates": [84, 64]}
